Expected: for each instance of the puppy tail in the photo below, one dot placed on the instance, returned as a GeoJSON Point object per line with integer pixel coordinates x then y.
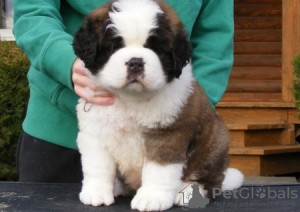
{"type": "Point", "coordinates": [233, 179]}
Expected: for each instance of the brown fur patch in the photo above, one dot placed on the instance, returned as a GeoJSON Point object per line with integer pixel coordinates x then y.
{"type": "Point", "coordinates": [172, 16]}
{"type": "Point", "coordinates": [99, 15]}
{"type": "Point", "coordinates": [198, 138]}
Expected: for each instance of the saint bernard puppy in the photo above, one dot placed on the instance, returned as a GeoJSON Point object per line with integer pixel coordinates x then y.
{"type": "Point", "coordinates": [161, 133]}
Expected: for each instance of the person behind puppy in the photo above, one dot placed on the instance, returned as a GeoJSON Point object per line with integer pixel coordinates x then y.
{"type": "Point", "coordinates": [44, 30]}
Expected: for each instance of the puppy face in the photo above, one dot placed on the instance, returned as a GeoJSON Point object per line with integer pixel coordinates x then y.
{"type": "Point", "coordinates": [133, 45]}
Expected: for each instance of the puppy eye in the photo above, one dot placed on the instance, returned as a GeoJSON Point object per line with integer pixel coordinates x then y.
{"type": "Point", "coordinates": [116, 43]}
{"type": "Point", "coordinates": [153, 43]}
{"type": "Point", "coordinates": [114, 46]}
{"type": "Point", "coordinates": [158, 43]}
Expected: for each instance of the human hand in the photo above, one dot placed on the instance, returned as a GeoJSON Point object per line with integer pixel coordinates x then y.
{"type": "Point", "coordinates": [88, 90]}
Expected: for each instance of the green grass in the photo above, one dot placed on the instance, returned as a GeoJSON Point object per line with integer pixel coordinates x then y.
{"type": "Point", "coordinates": [13, 100]}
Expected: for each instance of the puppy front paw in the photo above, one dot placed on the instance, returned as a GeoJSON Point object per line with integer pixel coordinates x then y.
{"type": "Point", "coordinates": [96, 196]}
{"type": "Point", "coordinates": [148, 199]}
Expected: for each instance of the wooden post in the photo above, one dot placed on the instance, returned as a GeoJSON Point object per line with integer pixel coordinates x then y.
{"type": "Point", "coordinates": [290, 45]}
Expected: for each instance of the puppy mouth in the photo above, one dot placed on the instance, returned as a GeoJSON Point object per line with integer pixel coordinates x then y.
{"type": "Point", "coordinates": [135, 84]}
{"type": "Point", "coordinates": [131, 82]}
{"type": "Point", "coordinates": [134, 79]}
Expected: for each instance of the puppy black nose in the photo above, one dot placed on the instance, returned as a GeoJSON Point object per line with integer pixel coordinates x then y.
{"type": "Point", "coordinates": [135, 65]}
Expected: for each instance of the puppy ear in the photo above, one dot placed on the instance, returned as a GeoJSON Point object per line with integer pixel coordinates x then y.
{"type": "Point", "coordinates": [181, 47]}
{"type": "Point", "coordinates": [86, 43]}
{"type": "Point", "coordinates": [88, 38]}
{"type": "Point", "coordinates": [182, 52]}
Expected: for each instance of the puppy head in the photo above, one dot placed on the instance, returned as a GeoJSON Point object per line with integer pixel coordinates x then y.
{"type": "Point", "coordinates": [133, 45]}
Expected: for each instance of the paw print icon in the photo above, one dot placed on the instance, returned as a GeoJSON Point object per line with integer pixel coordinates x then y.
{"type": "Point", "coordinates": [261, 193]}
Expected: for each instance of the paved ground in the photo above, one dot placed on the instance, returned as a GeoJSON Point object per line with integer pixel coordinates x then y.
{"type": "Point", "coordinates": [64, 197]}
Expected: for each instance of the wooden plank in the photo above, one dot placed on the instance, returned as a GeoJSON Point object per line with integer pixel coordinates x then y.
{"type": "Point", "coordinates": [268, 165]}
{"type": "Point", "coordinates": [261, 134]}
{"type": "Point", "coordinates": [263, 137]}
{"type": "Point", "coordinates": [252, 97]}
{"type": "Point", "coordinates": [291, 45]}
{"type": "Point", "coordinates": [288, 136]}
{"type": "Point", "coordinates": [255, 10]}
{"type": "Point", "coordinates": [254, 115]}
{"type": "Point", "coordinates": [251, 134]}
{"type": "Point", "coordinates": [294, 116]}
{"type": "Point", "coordinates": [254, 60]}
{"type": "Point", "coordinates": [280, 164]}
{"type": "Point", "coordinates": [255, 35]}
{"type": "Point", "coordinates": [256, 73]}
{"type": "Point", "coordinates": [248, 165]}
{"type": "Point", "coordinates": [254, 86]}
{"type": "Point", "coordinates": [256, 138]}
{"type": "Point", "coordinates": [237, 138]}
{"type": "Point", "coordinates": [257, 47]}
{"type": "Point", "coordinates": [258, 23]}
{"type": "Point", "coordinates": [255, 126]}
{"type": "Point", "coordinates": [264, 150]}
{"type": "Point", "coordinates": [257, 105]}
{"type": "Point", "coordinates": [257, 1]}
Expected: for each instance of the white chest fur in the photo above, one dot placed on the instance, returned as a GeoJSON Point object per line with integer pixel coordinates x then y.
{"type": "Point", "coordinates": [116, 128]}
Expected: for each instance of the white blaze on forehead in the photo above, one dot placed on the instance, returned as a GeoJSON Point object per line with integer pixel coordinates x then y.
{"type": "Point", "coordinates": [134, 19]}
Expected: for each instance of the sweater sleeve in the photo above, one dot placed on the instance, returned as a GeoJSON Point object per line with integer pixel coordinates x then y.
{"type": "Point", "coordinates": [212, 40]}
{"type": "Point", "coordinates": [39, 31]}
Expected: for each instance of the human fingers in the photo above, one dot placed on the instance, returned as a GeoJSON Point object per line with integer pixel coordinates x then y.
{"type": "Point", "coordinates": [90, 97]}
{"type": "Point", "coordinates": [88, 90]}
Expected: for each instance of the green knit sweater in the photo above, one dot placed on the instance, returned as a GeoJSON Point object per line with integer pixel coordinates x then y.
{"type": "Point", "coordinates": [44, 30]}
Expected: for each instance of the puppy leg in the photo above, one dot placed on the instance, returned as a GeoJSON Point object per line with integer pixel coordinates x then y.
{"type": "Point", "coordinates": [160, 184]}
{"type": "Point", "coordinates": [98, 171]}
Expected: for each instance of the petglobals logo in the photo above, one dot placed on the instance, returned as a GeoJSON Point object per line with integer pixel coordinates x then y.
{"type": "Point", "coordinates": [257, 192]}
{"type": "Point", "coordinates": [193, 197]}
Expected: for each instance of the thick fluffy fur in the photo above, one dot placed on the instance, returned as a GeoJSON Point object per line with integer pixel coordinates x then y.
{"type": "Point", "coordinates": [161, 133]}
